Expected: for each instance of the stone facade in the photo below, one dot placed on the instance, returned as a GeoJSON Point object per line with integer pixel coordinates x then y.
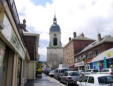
{"type": "Point", "coordinates": [55, 50]}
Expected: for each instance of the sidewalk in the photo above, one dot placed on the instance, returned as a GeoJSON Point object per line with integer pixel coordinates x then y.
{"type": "Point", "coordinates": [29, 83]}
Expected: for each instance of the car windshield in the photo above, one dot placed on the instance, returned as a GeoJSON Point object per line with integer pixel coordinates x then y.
{"type": "Point", "coordinates": [105, 79]}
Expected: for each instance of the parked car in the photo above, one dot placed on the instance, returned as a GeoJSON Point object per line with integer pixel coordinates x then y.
{"type": "Point", "coordinates": [91, 71]}
{"type": "Point", "coordinates": [51, 73]}
{"type": "Point", "coordinates": [70, 77]}
{"type": "Point", "coordinates": [96, 80]}
{"type": "Point", "coordinates": [59, 72]}
{"type": "Point", "coordinates": [107, 71]}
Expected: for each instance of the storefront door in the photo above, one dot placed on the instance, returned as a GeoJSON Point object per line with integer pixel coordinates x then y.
{"type": "Point", "coordinates": [8, 62]}
{"type": "Point", "coordinates": [2, 51]}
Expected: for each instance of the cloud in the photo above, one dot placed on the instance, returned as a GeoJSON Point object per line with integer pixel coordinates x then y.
{"type": "Point", "coordinates": [88, 16]}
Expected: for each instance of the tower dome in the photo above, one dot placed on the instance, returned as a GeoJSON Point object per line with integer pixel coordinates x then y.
{"type": "Point", "coordinates": [55, 27]}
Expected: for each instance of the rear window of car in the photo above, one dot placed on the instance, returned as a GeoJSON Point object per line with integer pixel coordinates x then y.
{"type": "Point", "coordinates": [105, 79]}
{"type": "Point", "coordinates": [74, 74]}
{"type": "Point", "coordinates": [65, 74]}
{"type": "Point", "coordinates": [63, 70]}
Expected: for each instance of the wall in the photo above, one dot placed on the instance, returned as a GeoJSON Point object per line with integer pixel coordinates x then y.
{"type": "Point", "coordinates": [54, 57]}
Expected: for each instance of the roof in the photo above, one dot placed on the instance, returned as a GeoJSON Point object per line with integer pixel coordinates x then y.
{"type": "Point", "coordinates": [80, 37]}
{"type": "Point", "coordinates": [55, 28]}
{"type": "Point", "coordinates": [30, 34]}
{"type": "Point", "coordinates": [107, 38]}
{"type": "Point", "coordinates": [98, 75]}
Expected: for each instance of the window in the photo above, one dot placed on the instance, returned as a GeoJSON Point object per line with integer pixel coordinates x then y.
{"type": "Point", "coordinates": [89, 55]}
{"type": "Point", "coordinates": [105, 80]}
{"type": "Point", "coordinates": [91, 80]}
{"type": "Point", "coordinates": [84, 79]}
{"type": "Point", "coordinates": [55, 41]}
{"type": "Point", "coordinates": [96, 52]}
{"type": "Point", "coordinates": [66, 74]}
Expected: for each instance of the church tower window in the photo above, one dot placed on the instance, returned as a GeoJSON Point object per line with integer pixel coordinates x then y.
{"type": "Point", "coordinates": [55, 41]}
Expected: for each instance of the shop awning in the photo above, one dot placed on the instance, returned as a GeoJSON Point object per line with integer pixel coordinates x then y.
{"type": "Point", "coordinates": [71, 65]}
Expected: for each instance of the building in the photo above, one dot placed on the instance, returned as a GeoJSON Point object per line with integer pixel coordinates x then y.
{"type": "Point", "coordinates": [74, 46]}
{"type": "Point", "coordinates": [14, 56]}
{"type": "Point", "coordinates": [12, 50]}
{"type": "Point", "coordinates": [31, 41]}
{"type": "Point", "coordinates": [103, 60]}
{"type": "Point", "coordinates": [83, 59]}
{"type": "Point", "coordinates": [55, 50]}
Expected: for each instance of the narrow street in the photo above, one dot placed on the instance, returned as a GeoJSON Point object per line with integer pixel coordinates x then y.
{"type": "Point", "coordinates": [47, 81]}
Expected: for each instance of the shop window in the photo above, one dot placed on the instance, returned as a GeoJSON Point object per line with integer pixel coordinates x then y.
{"type": "Point", "coordinates": [96, 52]}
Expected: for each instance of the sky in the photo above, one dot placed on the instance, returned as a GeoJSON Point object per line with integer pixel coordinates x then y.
{"type": "Point", "coordinates": [88, 16]}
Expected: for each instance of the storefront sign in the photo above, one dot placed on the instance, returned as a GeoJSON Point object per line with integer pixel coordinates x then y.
{"type": "Point", "coordinates": [79, 64]}
{"type": "Point", "coordinates": [11, 37]}
{"type": "Point", "coordinates": [109, 54]}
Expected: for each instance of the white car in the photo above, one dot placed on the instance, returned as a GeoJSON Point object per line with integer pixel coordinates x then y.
{"type": "Point", "coordinates": [51, 73]}
{"type": "Point", "coordinates": [96, 80]}
{"type": "Point", "coordinates": [107, 71]}
{"type": "Point", "coordinates": [90, 71]}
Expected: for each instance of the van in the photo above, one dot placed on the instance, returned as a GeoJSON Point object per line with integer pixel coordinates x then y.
{"type": "Point", "coordinates": [59, 72]}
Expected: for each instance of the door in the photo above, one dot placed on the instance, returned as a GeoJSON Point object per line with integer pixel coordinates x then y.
{"type": "Point", "coordinates": [2, 51]}
{"type": "Point", "coordinates": [83, 81]}
{"type": "Point", "coordinates": [8, 62]}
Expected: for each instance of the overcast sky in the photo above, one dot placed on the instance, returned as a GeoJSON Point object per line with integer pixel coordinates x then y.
{"type": "Point", "coordinates": [88, 16]}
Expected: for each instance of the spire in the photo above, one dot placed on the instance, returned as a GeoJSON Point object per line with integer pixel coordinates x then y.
{"type": "Point", "coordinates": [55, 20]}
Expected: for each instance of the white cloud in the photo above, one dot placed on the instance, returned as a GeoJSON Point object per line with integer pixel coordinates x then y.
{"type": "Point", "coordinates": [88, 16]}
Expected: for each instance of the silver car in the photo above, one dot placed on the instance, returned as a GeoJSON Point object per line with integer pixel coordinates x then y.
{"type": "Point", "coordinates": [70, 77]}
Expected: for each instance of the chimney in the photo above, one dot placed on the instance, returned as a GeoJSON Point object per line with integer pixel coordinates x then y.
{"type": "Point", "coordinates": [99, 36]}
{"type": "Point", "coordinates": [74, 34]}
{"type": "Point", "coordinates": [82, 35]}
{"type": "Point", "coordinates": [69, 38]}
{"type": "Point", "coordinates": [24, 25]}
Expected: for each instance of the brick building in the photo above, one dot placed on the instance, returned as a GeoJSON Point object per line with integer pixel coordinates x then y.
{"type": "Point", "coordinates": [84, 58]}
{"type": "Point", "coordinates": [74, 46]}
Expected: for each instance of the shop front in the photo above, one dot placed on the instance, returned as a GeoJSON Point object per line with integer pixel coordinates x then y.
{"type": "Point", "coordinates": [11, 49]}
{"type": "Point", "coordinates": [103, 60]}
{"type": "Point", "coordinates": [80, 65]}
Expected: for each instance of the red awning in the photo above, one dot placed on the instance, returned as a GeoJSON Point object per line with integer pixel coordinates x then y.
{"type": "Point", "coordinates": [71, 65]}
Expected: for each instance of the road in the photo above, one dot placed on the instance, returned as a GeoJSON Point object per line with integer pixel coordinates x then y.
{"type": "Point", "coordinates": [47, 81]}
